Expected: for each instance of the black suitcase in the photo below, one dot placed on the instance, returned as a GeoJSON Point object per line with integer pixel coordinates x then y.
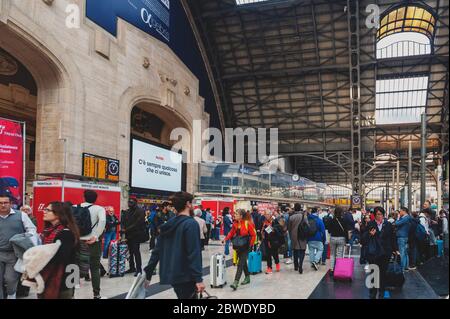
{"type": "Point", "coordinates": [394, 274]}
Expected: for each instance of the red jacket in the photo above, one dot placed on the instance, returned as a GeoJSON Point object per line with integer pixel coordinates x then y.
{"type": "Point", "coordinates": [246, 229]}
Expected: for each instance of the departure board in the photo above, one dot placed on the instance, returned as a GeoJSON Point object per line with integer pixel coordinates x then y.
{"type": "Point", "coordinates": [99, 167]}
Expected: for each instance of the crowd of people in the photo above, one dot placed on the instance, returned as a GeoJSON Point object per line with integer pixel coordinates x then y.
{"type": "Point", "coordinates": [178, 231]}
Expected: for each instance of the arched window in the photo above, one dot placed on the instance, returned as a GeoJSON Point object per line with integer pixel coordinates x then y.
{"type": "Point", "coordinates": [405, 30]}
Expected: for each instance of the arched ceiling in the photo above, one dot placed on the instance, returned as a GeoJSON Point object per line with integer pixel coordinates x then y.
{"type": "Point", "coordinates": [285, 64]}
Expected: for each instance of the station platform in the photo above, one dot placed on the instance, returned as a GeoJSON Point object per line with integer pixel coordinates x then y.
{"type": "Point", "coordinates": [428, 282]}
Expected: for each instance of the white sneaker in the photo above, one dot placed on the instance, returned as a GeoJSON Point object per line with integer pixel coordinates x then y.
{"type": "Point", "coordinates": [288, 261]}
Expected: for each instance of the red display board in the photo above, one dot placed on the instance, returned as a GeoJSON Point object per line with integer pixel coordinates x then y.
{"type": "Point", "coordinates": [217, 206]}
{"type": "Point", "coordinates": [52, 190]}
{"type": "Point", "coordinates": [11, 160]}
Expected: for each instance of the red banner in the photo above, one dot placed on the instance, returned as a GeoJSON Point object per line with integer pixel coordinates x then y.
{"type": "Point", "coordinates": [51, 190]}
{"type": "Point", "coordinates": [11, 160]}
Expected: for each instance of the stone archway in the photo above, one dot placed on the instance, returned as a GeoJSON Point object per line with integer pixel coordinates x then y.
{"type": "Point", "coordinates": [149, 99]}
{"type": "Point", "coordinates": [59, 92]}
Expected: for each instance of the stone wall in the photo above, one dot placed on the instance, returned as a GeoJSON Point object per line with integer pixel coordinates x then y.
{"type": "Point", "coordinates": [89, 81]}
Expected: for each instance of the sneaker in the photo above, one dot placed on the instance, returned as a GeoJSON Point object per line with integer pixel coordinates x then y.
{"type": "Point", "coordinates": [387, 295]}
{"type": "Point", "coordinates": [130, 271]}
{"type": "Point", "coordinates": [246, 281]}
{"type": "Point", "coordinates": [278, 267]}
{"type": "Point", "coordinates": [366, 269]}
{"type": "Point", "coordinates": [97, 297]}
{"type": "Point", "coordinates": [87, 278]}
{"type": "Point", "coordinates": [300, 271]}
{"type": "Point", "coordinates": [288, 261]}
{"type": "Point", "coordinates": [268, 271]}
{"type": "Point", "coordinates": [324, 263]}
{"type": "Point", "coordinates": [234, 285]}
{"type": "Point", "coordinates": [316, 266]}
{"type": "Point", "coordinates": [412, 268]}
{"type": "Point", "coordinates": [137, 273]}
{"type": "Point", "coordinates": [296, 269]}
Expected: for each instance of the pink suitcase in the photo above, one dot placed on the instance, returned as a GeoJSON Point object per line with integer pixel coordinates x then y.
{"type": "Point", "coordinates": [343, 269]}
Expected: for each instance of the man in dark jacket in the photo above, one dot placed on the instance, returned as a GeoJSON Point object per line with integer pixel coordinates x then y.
{"type": "Point", "coordinates": [257, 220]}
{"type": "Point", "coordinates": [179, 251]}
{"type": "Point", "coordinates": [135, 229]}
{"type": "Point", "coordinates": [381, 243]}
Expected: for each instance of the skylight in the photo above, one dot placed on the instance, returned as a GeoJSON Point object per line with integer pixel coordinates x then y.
{"type": "Point", "coordinates": [242, 2]}
{"type": "Point", "coordinates": [400, 100]}
{"type": "Point", "coordinates": [402, 45]}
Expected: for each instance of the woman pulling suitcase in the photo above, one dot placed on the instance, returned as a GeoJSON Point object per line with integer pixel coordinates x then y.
{"type": "Point", "coordinates": [243, 237]}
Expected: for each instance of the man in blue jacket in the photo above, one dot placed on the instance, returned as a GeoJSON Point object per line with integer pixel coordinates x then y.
{"type": "Point", "coordinates": [316, 242]}
{"type": "Point", "coordinates": [178, 249]}
{"type": "Point", "coordinates": [403, 225]}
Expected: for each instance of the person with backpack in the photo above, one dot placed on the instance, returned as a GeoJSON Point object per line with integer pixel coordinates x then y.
{"type": "Point", "coordinates": [91, 221]}
{"type": "Point", "coordinates": [135, 234]}
{"type": "Point", "coordinates": [178, 250]}
{"type": "Point", "coordinates": [381, 244]}
{"type": "Point", "coordinates": [326, 217]}
{"type": "Point", "coordinates": [338, 230]}
{"type": "Point", "coordinates": [272, 238]}
{"type": "Point", "coordinates": [403, 225]}
{"type": "Point", "coordinates": [298, 244]}
{"type": "Point", "coordinates": [59, 225]}
{"type": "Point", "coordinates": [316, 238]}
{"type": "Point", "coordinates": [243, 237]}
{"type": "Point", "coordinates": [110, 229]}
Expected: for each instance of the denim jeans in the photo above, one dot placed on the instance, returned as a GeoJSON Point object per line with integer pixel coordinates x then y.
{"type": "Point", "coordinates": [289, 249]}
{"type": "Point", "coordinates": [315, 251]}
{"type": "Point", "coordinates": [403, 248]}
{"type": "Point", "coordinates": [109, 236]}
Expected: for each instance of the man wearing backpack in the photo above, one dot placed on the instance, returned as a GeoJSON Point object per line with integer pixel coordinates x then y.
{"type": "Point", "coordinates": [92, 238]}
{"type": "Point", "coordinates": [298, 244]}
{"type": "Point", "coordinates": [316, 239]}
{"type": "Point", "coordinates": [403, 225]}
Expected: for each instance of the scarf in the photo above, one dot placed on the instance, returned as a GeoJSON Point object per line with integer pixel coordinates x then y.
{"type": "Point", "coordinates": [50, 233]}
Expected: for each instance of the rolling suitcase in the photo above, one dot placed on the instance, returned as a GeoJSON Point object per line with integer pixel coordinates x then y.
{"type": "Point", "coordinates": [343, 269]}
{"type": "Point", "coordinates": [255, 262]}
{"type": "Point", "coordinates": [394, 274]}
{"type": "Point", "coordinates": [217, 271]}
{"type": "Point", "coordinates": [117, 259]}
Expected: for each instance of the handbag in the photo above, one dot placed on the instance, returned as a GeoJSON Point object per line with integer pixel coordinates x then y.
{"type": "Point", "coordinates": [240, 242]}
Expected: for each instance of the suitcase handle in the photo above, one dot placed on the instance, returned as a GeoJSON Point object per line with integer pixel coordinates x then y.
{"type": "Point", "coordinates": [349, 250]}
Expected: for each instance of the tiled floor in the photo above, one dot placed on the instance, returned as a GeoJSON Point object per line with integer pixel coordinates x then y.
{"type": "Point", "coordinates": [287, 284]}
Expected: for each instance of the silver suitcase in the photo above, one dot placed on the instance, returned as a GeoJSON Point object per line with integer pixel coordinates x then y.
{"type": "Point", "coordinates": [217, 271]}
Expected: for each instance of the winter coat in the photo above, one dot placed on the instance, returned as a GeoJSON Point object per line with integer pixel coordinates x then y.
{"type": "Point", "coordinates": [178, 250]}
{"type": "Point", "coordinates": [294, 221]}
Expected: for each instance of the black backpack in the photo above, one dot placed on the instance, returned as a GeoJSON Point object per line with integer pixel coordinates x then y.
{"type": "Point", "coordinates": [306, 229]}
{"type": "Point", "coordinates": [83, 219]}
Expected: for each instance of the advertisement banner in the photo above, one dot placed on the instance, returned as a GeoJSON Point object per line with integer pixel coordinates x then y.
{"type": "Point", "coordinates": [151, 16]}
{"type": "Point", "coordinates": [11, 160]}
{"type": "Point", "coordinates": [51, 190]}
